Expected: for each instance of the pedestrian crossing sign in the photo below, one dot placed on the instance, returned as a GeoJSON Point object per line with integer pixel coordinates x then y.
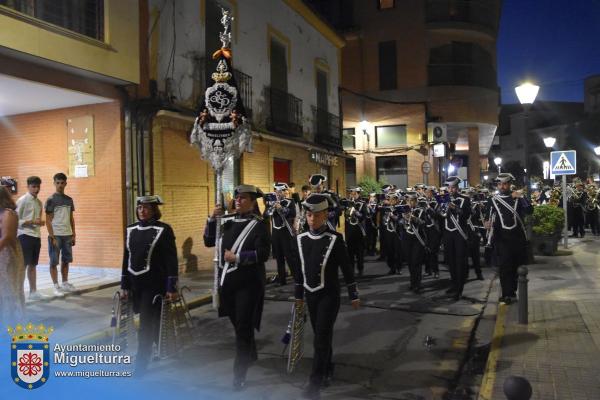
{"type": "Point", "coordinates": [563, 162]}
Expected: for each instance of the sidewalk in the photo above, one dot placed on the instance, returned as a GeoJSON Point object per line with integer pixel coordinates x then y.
{"type": "Point", "coordinates": [558, 352]}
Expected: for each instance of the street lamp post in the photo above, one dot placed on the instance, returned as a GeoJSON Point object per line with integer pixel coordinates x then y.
{"type": "Point", "coordinates": [498, 162]}
{"type": "Point", "coordinates": [527, 92]}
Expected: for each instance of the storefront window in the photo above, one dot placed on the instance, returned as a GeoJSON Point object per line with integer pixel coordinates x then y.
{"type": "Point", "coordinates": [390, 136]}
{"type": "Point", "coordinates": [393, 170]}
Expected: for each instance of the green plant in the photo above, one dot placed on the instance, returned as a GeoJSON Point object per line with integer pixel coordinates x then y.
{"type": "Point", "coordinates": [369, 185]}
{"type": "Point", "coordinates": [548, 220]}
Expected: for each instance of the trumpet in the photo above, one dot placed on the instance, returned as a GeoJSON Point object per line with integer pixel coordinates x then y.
{"type": "Point", "coordinates": [490, 234]}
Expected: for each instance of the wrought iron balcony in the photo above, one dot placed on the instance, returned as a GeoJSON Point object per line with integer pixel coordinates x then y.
{"type": "Point", "coordinates": [462, 75]}
{"type": "Point", "coordinates": [481, 12]}
{"type": "Point", "coordinates": [244, 85]}
{"type": "Point", "coordinates": [285, 113]}
{"type": "Point", "coordinates": [327, 128]}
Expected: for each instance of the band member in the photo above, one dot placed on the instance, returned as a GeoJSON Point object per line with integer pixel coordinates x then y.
{"type": "Point", "coordinates": [149, 268]}
{"type": "Point", "coordinates": [507, 234]}
{"type": "Point", "coordinates": [432, 232]}
{"type": "Point", "coordinates": [591, 209]}
{"type": "Point", "coordinates": [575, 202]}
{"type": "Point", "coordinates": [317, 183]}
{"type": "Point", "coordinates": [475, 223]}
{"type": "Point", "coordinates": [391, 234]}
{"type": "Point", "coordinates": [455, 236]}
{"type": "Point", "coordinates": [245, 247]}
{"type": "Point", "coordinates": [322, 252]}
{"type": "Point", "coordinates": [355, 214]}
{"type": "Point", "coordinates": [282, 212]}
{"type": "Point", "coordinates": [301, 220]}
{"type": "Point", "coordinates": [371, 224]}
{"type": "Point", "coordinates": [386, 190]}
{"type": "Point", "coordinates": [414, 244]}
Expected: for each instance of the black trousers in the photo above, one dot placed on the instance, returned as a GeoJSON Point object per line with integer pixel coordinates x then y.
{"type": "Point", "coordinates": [578, 221]}
{"type": "Point", "coordinates": [592, 219]}
{"type": "Point", "coordinates": [393, 253]}
{"type": "Point", "coordinates": [474, 251]}
{"type": "Point", "coordinates": [508, 255]}
{"type": "Point", "coordinates": [456, 255]}
{"type": "Point", "coordinates": [283, 250]}
{"type": "Point", "coordinates": [355, 242]}
{"type": "Point", "coordinates": [323, 308]}
{"type": "Point", "coordinates": [434, 238]}
{"type": "Point", "coordinates": [149, 324]}
{"type": "Point", "coordinates": [414, 254]}
{"type": "Point", "coordinates": [382, 242]}
{"type": "Point", "coordinates": [241, 304]}
{"type": "Point", "coordinates": [371, 239]}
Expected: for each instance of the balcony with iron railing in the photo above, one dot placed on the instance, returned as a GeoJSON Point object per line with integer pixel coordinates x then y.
{"type": "Point", "coordinates": [244, 86]}
{"type": "Point", "coordinates": [462, 75]}
{"type": "Point", "coordinates": [327, 128]}
{"type": "Point", "coordinates": [481, 15]}
{"type": "Point", "coordinates": [285, 113]}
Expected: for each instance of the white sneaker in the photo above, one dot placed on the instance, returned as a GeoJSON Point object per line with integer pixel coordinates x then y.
{"type": "Point", "coordinates": [67, 287]}
{"type": "Point", "coordinates": [57, 291]}
{"type": "Point", "coordinates": [35, 296]}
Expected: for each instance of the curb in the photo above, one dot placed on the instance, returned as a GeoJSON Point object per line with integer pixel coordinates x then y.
{"type": "Point", "coordinates": [106, 333]}
{"type": "Point", "coordinates": [489, 377]}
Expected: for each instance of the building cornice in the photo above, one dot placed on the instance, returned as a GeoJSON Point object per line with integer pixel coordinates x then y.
{"type": "Point", "coordinates": [302, 9]}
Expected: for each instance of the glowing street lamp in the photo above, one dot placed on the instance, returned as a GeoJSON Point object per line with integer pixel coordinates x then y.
{"type": "Point", "coordinates": [597, 150]}
{"type": "Point", "coordinates": [550, 141]}
{"type": "Point", "coordinates": [527, 92]}
{"type": "Point", "coordinates": [498, 162]}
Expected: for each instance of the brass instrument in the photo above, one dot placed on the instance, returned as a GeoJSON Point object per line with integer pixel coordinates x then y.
{"type": "Point", "coordinates": [176, 325]}
{"type": "Point", "coordinates": [296, 347]}
{"type": "Point", "coordinates": [122, 321]}
{"type": "Point", "coordinates": [591, 202]}
{"type": "Point", "coordinates": [490, 233]}
{"type": "Point", "coordinates": [271, 200]}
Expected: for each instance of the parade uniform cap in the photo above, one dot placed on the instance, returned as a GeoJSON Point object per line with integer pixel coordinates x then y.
{"type": "Point", "coordinates": [153, 199]}
{"type": "Point", "coordinates": [357, 189]}
{"type": "Point", "coordinates": [9, 182]}
{"type": "Point", "coordinates": [420, 186]}
{"type": "Point", "coordinates": [317, 179]}
{"type": "Point", "coordinates": [452, 181]}
{"type": "Point", "coordinates": [505, 177]}
{"type": "Point", "coordinates": [411, 195]}
{"type": "Point", "coordinates": [372, 194]}
{"type": "Point", "coordinates": [316, 202]}
{"type": "Point", "coordinates": [386, 188]}
{"type": "Point", "coordinates": [431, 187]}
{"type": "Point", "coordinates": [280, 186]}
{"type": "Point", "coordinates": [392, 195]}
{"type": "Point", "coordinates": [250, 189]}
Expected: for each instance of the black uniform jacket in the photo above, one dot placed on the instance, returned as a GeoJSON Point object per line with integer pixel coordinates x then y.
{"type": "Point", "coordinates": [248, 237]}
{"type": "Point", "coordinates": [506, 224]}
{"type": "Point", "coordinates": [461, 212]}
{"type": "Point", "coordinates": [321, 255]}
{"type": "Point", "coordinates": [150, 259]}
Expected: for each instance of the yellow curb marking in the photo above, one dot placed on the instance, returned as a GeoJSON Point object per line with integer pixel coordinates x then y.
{"type": "Point", "coordinates": [489, 377]}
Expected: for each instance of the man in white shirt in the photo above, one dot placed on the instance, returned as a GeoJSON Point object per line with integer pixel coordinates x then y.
{"type": "Point", "coordinates": [29, 209]}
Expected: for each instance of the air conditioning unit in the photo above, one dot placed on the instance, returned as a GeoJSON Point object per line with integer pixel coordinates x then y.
{"type": "Point", "coordinates": [437, 132]}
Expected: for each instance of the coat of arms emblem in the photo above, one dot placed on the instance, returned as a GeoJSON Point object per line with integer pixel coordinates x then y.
{"type": "Point", "coordinates": [30, 355]}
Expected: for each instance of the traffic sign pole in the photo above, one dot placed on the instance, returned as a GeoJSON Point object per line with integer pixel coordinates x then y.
{"type": "Point", "coordinates": [566, 227]}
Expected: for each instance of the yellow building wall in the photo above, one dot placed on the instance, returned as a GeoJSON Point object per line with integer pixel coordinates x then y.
{"type": "Point", "coordinates": [117, 56]}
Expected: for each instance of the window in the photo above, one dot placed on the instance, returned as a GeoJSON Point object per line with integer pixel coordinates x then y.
{"type": "Point", "coordinates": [387, 65]}
{"type": "Point", "coordinates": [322, 90]}
{"type": "Point", "coordinates": [393, 170]}
{"type": "Point", "coordinates": [350, 172]}
{"type": "Point", "coordinates": [281, 170]}
{"type": "Point", "coordinates": [278, 65]}
{"type": "Point", "coordinates": [84, 17]}
{"type": "Point", "coordinates": [348, 139]}
{"type": "Point", "coordinates": [390, 136]}
{"type": "Point", "coordinates": [386, 4]}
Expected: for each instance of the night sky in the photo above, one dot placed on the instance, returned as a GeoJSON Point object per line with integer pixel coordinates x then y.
{"type": "Point", "coordinates": [556, 43]}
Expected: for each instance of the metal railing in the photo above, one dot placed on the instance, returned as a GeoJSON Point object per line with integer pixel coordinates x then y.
{"type": "Point", "coordinates": [285, 113]}
{"type": "Point", "coordinates": [244, 86]}
{"type": "Point", "coordinates": [327, 128]}
{"type": "Point", "coordinates": [481, 12]}
{"type": "Point", "coordinates": [84, 17]}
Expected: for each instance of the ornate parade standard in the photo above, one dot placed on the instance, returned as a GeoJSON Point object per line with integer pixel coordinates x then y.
{"type": "Point", "coordinates": [221, 131]}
